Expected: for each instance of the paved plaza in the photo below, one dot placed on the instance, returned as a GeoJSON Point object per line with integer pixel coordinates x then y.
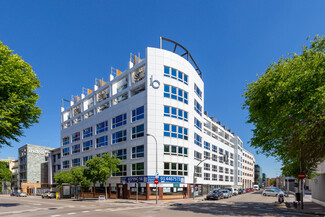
{"type": "Point", "coordinates": [250, 204]}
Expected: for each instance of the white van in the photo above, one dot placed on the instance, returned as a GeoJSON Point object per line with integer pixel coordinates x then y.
{"type": "Point", "coordinates": [256, 187]}
{"type": "Point", "coordinates": [234, 191]}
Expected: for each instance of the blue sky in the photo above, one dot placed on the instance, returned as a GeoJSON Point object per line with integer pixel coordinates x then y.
{"type": "Point", "coordinates": [70, 43]}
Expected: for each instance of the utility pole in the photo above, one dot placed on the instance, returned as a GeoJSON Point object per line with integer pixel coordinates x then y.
{"type": "Point", "coordinates": [156, 164]}
{"type": "Point", "coordinates": [194, 176]}
{"type": "Point", "coordinates": [302, 184]}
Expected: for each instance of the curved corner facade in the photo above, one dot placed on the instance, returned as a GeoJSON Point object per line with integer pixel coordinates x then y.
{"type": "Point", "coordinates": [163, 96]}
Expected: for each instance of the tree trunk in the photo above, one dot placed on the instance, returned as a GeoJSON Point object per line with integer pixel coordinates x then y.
{"type": "Point", "coordinates": [94, 191]}
{"type": "Point", "coordinates": [106, 190]}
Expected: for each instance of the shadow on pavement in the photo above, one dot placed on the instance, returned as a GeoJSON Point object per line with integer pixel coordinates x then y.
{"type": "Point", "coordinates": [9, 204]}
{"type": "Point", "coordinates": [234, 209]}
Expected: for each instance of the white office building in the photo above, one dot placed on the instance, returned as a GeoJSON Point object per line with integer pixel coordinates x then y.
{"type": "Point", "coordinates": [161, 95]}
{"type": "Point", "coordinates": [248, 169]}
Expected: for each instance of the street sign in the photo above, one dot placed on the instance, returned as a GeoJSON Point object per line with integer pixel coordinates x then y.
{"type": "Point", "coordinates": [301, 175]}
{"type": "Point", "coordinates": [156, 181]}
{"type": "Point", "coordinates": [176, 185]}
{"type": "Point", "coordinates": [157, 175]}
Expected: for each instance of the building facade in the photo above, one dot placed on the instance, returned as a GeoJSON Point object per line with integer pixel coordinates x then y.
{"type": "Point", "coordinates": [13, 167]}
{"type": "Point", "coordinates": [248, 169]}
{"type": "Point", "coordinates": [161, 96]}
{"type": "Point", "coordinates": [32, 166]}
{"type": "Point", "coordinates": [258, 175]}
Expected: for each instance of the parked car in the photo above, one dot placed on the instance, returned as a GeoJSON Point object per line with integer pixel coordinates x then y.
{"type": "Point", "coordinates": [49, 194]}
{"type": "Point", "coordinates": [256, 187]}
{"type": "Point", "coordinates": [226, 193]}
{"type": "Point", "coordinates": [215, 195]}
{"type": "Point", "coordinates": [270, 192]}
{"type": "Point", "coordinates": [233, 191]}
{"type": "Point", "coordinates": [14, 194]}
{"type": "Point", "coordinates": [247, 190]}
{"type": "Point", "coordinates": [22, 194]}
{"type": "Point", "coordinates": [240, 191]}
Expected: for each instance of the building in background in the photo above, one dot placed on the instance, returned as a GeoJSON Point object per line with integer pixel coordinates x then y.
{"type": "Point", "coordinates": [13, 167]}
{"type": "Point", "coordinates": [263, 179]}
{"type": "Point", "coordinates": [161, 95]}
{"type": "Point", "coordinates": [317, 185]}
{"type": "Point", "coordinates": [248, 169]}
{"type": "Point", "coordinates": [258, 175]}
{"type": "Point", "coordinates": [32, 167]}
{"type": "Point", "coordinates": [54, 165]}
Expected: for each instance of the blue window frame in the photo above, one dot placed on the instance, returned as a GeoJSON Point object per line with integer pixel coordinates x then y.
{"type": "Point", "coordinates": [138, 114]}
{"type": "Point", "coordinates": [206, 145]}
{"type": "Point", "coordinates": [102, 141]}
{"type": "Point", "coordinates": [102, 127]}
{"type": "Point", "coordinates": [197, 91]}
{"type": "Point", "coordinates": [88, 145]}
{"type": "Point", "coordinates": [175, 74]}
{"type": "Point", "coordinates": [85, 159]}
{"type": "Point", "coordinates": [197, 140]}
{"type": "Point", "coordinates": [75, 148]}
{"type": "Point", "coordinates": [75, 136]}
{"type": "Point", "coordinates": [119, 120]}
{"type": "Point", "coordinates": [66, 141]}
{"type": "Point", "coordinates": [175, 93]}
{"type": "Point", "coordinates": [120, 154]}
{"type": "Point", "coordinates": [119, 136]}
{"type": "Point", "coordinates": [138, 131]}
{"type": "Point", "coordinates": [87, 132]}
{"type": "Point", "coordinates": [197, 124]}
{"type": "Point", "coordinates": [138, 151]}
{"type": "Point", "coordinates": [175, 131]}
{"type": "Point", "coordinates": [214, 148]}
{"type": "Point", "coordinates": [197, 107]}
{"type": "Point", "coordinates": [66, 151]}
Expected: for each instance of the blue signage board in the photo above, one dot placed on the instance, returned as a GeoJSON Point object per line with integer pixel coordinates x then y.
{"type": "Point", "coordinates": [150, 179]}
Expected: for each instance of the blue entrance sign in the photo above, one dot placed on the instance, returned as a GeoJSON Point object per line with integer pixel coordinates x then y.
{"type": "Point", "coordinates": [151, 179]}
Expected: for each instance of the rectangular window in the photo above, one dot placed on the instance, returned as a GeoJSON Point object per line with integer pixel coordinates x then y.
{"type": "Point", "coordinates": [214, 149]}
{"type": "Point", "coordinates": [206, 155]}
{"type": "Point", "coordinates": [221, 159]}
{"type": "Point", "coordinates": [102, 141]}
{"type": "Point", "coordinates": [220, 177]}
{"type": "Point", "coordinates": [138, 114]}
{"type": "Point", "coordinates": [119, 136]}
{"type": "Point", "coordinates": [175, 131]}
{"type": "Point", "coordinates": [206, 145]}
{"type": "Point", "coordinates": [65, 140]}
{"type": "Point", "coordinates": [231, 156]}
{"type": "Point", "coordinates": [119, 120]}
{"type": "Point", "coordinates": [197, 155]}
{"type": "Point", "coordinates": [198, 171]}
{"type": "Point", "coordinates": [214, 168]}
{"type": "Point", "coordinates": [65, 164]}
{"type": "Point", "coordinates": [102, 127]}
{"type": "Point", "coordinates": [85, 159]}
{"type": "Point", "coordinates": [122, 170]}
{"type": "Point", "coordinates": [175, 150]}
{"type": "Point", "coordinates": [75, 136]}
{"type": "Point", "coordinates": [226, 170]}
{"type": "Point", "coordinates": [221, 151]}
{"type": "Point", "coordinates": [120, 154]}
{"type": "Point", "coordinates": [215, 157]}
{"type": "Point", "coordinates": [138, 131]}
{"type": "Point", "coordinates": [214, 177]}
{"type": "Point", "coordinates": [206, 176]}
{"type": "Point", "coordinates": [197, 91]}
{"type": "Point", "coordinates": [137, 169]}
{"type": "Point", "coordinates": [197, 124]}
{"type": "Point", "coordinates": [66, 151]}
{"type": "Point", "coordinates": [206, 166]}
{"type": "Point", "coordinates": [220, 169]}
{"type": "Point", "coordinates": [197, 140]}
{"type": "Point", "coordinates": [138, 151]}
{"type": "Point", "coordinates": [88, 145]}
{"type": "Point", "coordinates": [87, 132]}
{"type": "Point", "coordinates": [75, 162]}
{"type": "Point", "coordinates": [197, 107]}
{"type": "Point", "coordinates": [75, 148]}
{"type": "Point", "coordinates": [175, 93]}
{"type": "Point", "coordinates": [231, 178]}
{"type": "Point", "coordinates": [231, 163]}
{"type": "Point", "coordinates": [175, 113]}
{"type": "Point", "coordinates": [175, 169]}
{"type": "Point", "coordinates": [175, 74]}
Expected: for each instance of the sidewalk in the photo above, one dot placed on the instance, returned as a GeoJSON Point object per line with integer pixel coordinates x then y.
{"type": "Point", "coordinates": [309, 206]}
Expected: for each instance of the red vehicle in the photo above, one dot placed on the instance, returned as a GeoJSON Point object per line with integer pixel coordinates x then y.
{"type": "Point", "coordinates": [247, 190]}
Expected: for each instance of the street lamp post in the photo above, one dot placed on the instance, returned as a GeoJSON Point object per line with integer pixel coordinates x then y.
{"type": "Point", "coordinates": [156, 164]}
{"type": "Point", "coordinates": [194, 177]}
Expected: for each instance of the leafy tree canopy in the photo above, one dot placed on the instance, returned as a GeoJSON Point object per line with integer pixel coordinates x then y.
{"type": "Point", "coordinates": [287, 108]}
{"type": "Point", "coordinates": [63, 177]}
{"type": "Point", "coordinates": [18, 83]}
{"type": "Point", "coordinates": [5, 173]}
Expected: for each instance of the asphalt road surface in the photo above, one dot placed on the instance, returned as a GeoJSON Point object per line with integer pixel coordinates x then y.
{"type": "Point", "coordinates": [250, 204]}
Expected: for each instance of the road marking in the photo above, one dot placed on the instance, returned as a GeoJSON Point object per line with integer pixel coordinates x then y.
{"type": "Point", "coordinates": [85, 211]}
{"type": "Point", "coordinates": [71, 213]}
{"type": "Point", "coordinates": [70, 206]}
{"type": "Point", "coordinates": [97, 210]}
{"type": "Point", "coordinates": [55, 215]}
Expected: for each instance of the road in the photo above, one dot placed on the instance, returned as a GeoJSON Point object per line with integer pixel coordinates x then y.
{"type": "Point", "coordinates": [250, 204]}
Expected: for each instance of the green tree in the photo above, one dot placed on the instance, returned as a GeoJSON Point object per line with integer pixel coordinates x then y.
{"type": "Point", "coordinates": [5, 173]}
{"type": "Point", "coordinates": [18, 83]}
{"type": "Point", "coordinates": [99, 169]}
{"type": "Point", "coordinates": [79, 178]}
{"type": "Point", "coordinates": [63, 177]}
{"type": "Point", "coordinates": [287, 108]}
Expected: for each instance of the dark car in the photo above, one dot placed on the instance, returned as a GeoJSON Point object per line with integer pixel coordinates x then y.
{"type": "Point", "coordinates": [215, 195]}
{"type": "Point", "coordinates": [14, 194]}
{"type": "Point", "coordinates": [241, 191]}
